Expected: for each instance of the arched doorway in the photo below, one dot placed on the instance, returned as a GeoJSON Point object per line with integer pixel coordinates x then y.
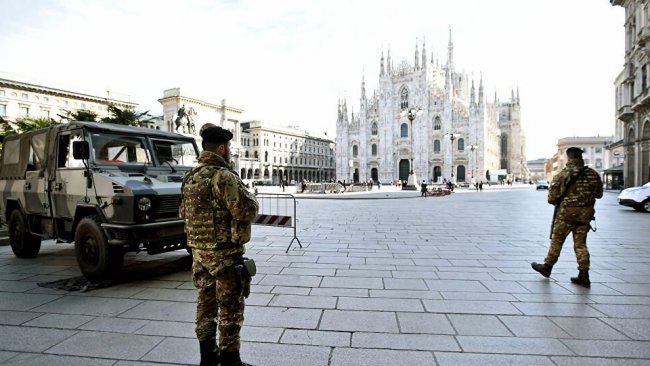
{"type": "Point", "coordinates": [243, 173]}
{"type": "Point", "coordinates": [250, 174]}
{"type": "Point", "coordinates": [403, 169]}
{"type": "Point", "coordinates": [437, 173]}
{"type": "Point", "coordinates": [374, 175]}
{"type": "Point", "coordinates": [460, 173]}
{"type": "Point", "coordinates": [355, 177]}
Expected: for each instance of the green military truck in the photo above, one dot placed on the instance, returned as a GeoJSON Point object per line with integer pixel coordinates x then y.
{"type": "Point", "coordinates": [108, 188]}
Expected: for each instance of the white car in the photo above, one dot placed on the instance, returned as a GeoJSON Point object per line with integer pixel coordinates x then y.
{"type": "Point", "coordinates": [542, 184]}
{"type": "Point", "coordinates": [636, 197]}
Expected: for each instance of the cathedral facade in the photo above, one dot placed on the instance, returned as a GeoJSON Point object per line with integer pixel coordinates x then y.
{"type": "Point", "coordinates": [428, 119]}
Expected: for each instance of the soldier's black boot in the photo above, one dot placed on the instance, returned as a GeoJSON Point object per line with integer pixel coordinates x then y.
{"type": "Point", "coordinates": [582, 279]}
{"type": "Point", "coordinates": [543, 268]}
{"type": "Point", "coordinates": [209, 353]}
{"type": "Point", "coordinates": [232, 359]}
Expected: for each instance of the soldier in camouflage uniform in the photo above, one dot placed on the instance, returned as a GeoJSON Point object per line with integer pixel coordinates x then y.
{"type": "Point", "coordinates": [574, 192]}
{"type": "Point", "coordinates": [217, 210]}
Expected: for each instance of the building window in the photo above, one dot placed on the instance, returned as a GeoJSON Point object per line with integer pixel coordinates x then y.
{"type": "Point", "coordinates": [599, 164]}
{"type": "Point", "coordinates": [24, 96]}
{"type": "Point", "coordinates": [373, 130]}
{"type": "Point", "coordinates": [355, 151]}
{"type": "Point", "coordinates": [374, 149]}
{"type": "Point", "coordinates": [3, 109]}
{"type": "Point", "coordinates": [436, 146]}
{"type": "Point", "coordinates": [45, 113]}
{"type": "Point", "coordinates": [246, 154]}
{"type": "Point", "coordinates": [461, 144]}
{"type": "Point", "coordinates": [46, 99]}
{"type": "Point", "coordinates": [436, 124]}
{"type": "Point", "coordinates": [266, 156]}
{"type": "Point", "coordinates": [255, 154]}
{"type": "Point", "coordinates": [83, 105]}
{"type": "Point", "coordinates": [2, 93]}
{"type": "Point", "coordinates": [404, 130]}
{"type": "Point", "coordinates": [599, 150]}
{"type": "Point", "coordinates": [24, 111]}
{"type": "Point", "coordinates": [404, 98]}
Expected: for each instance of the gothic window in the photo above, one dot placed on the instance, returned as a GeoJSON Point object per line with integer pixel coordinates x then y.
{"type": "Point", "coordinates": [404, 130]}
{"type": "Point", "coordinates": [374, 149]}
{"type": "Point", "coordinates": [246, 154]}
{"type": "Point", "coordinates": [436, 146]}
{"type": "Point", "coordinates": [355, 151]}
{"type": "Point", "coordinates": [266, 156]}
{"type": "Point", "coordinates": [373, 130]}
{"type": "Point", "coordinates": [404, 98]}
{"type": "Point", "coordinates": [255, 154]}
{"type": "Point", "coordinates": [436, 124]}
{"type": "Point", "coordinates": [461, 144]}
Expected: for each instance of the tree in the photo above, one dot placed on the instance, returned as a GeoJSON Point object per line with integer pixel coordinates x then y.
{"type": "Point", "coordinates": [24, 124]}
{"type": "Point", "coordinates": [80, 115]}
{"type": "Point", "coordinates": [127, 116]}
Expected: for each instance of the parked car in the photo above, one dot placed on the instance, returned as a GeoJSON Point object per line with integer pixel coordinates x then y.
{"type": "Point", "coordinates": [636, 197]}
{"type": "Point", "coordinates": [542, 184]}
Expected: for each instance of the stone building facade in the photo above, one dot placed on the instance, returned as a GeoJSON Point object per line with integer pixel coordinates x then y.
{"type": "Point", "coordinates": [458, 135]}
{"type": "Point", "coordinates": [23, 99]}
{"type": "Point", "coordinates": [595, 154]}
{"type": "Point", "coordinates": [273, 153]}
{"type": "Point", "coordinates": [633, 92]}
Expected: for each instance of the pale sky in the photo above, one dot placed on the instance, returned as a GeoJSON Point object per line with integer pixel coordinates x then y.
{"type": "Point", "coordinates": [288, 62]}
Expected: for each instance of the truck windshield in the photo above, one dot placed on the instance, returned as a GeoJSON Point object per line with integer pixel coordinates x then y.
{"type": "Point", "coordinates": [175, 152]}
{"type": "Point", "coordinates": [119, 149]}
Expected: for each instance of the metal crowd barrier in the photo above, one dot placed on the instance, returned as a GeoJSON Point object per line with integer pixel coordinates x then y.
{"type": "Point", "coordinates": [278, 209]}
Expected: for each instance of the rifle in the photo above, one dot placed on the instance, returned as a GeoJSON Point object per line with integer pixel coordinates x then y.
{"type": "Point", "coordinates": [559, 200]}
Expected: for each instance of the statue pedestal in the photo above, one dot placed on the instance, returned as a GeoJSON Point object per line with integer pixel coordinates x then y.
{"type": "Point", "coordinates": [411, 183]}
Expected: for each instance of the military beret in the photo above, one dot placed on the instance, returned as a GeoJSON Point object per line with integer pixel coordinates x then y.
{"type": "Point", "coordinates": [216, 135]}
{"type": "Point", "coordinates": [205, 127]}
{"type": "Point", "coordinates": [576, 151]}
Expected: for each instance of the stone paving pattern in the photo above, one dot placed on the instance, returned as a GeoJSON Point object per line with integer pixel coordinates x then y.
{"type": "Point", "coordinates": [436, 281]}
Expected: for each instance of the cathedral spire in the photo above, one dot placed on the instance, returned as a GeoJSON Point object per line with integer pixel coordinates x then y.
{"type": "Point", "coordinates": [472, 100]}
{"type": "Point", "coordinates": [517, 94]}
{"type": "Point", "coordinates": [381, 67]}
{"type": "Point", "coordinates": [424, 53]}
{"type": "Point", "coordinates": [417, 55]}
{"type": "Point", "coordinates": [388, 65]}
{"type": "Point", "coordinates": [363, 85]}
{"type": "Point", "coordinates": [480, 91]}
{"type": "Point", "coordinates": [450, 53]}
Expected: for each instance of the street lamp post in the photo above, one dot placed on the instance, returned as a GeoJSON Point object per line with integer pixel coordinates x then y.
{"type": "Point", "coordinates": [472, 148]}
{"type": "Point", "coordinates": [452, 136]}
{"type": "Point", "coordinates": [411, 113]}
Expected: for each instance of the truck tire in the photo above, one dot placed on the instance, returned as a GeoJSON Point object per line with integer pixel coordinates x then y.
{"type": "Point", "coordinates": [96, 258]}
{"type": "Point", "coordinates": [23, 243]}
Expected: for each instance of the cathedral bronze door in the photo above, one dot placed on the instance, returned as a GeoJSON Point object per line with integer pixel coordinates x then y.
{"type": "Point", "coordinates": [355, 177]}
{"type": "Point", "coordinates": [403, 169]}
{"type": "Point", "coordinates": [374, 175]}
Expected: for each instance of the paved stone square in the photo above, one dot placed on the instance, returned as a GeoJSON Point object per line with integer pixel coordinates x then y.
{"type": "Point", "coordinates": [383, 278]}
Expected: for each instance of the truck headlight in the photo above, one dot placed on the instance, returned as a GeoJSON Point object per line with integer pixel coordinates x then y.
{"type": "Point", "coordinates": [144, 204]}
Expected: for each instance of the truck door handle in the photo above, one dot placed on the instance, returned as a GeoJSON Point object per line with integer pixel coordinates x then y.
{"type": "Point", "coordinates": [28, 185]}
{"type": "Point", "coordinates": [58, 186]}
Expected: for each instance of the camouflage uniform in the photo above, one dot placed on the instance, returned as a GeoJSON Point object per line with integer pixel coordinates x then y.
{"type": "Point", "coordinates": [217, 210]}
{"type": "Point", "coordinates": [575, 211]}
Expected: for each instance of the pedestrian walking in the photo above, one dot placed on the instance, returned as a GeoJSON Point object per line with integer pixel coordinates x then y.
{"type": "Point", "coordinates": [480, 186]}
{"type": "Point", "coordinates": [423, 189]}
{"type": "Point", "coordinates": [573, 192]}
{"type": "Point", "coordinates": [217, 211]}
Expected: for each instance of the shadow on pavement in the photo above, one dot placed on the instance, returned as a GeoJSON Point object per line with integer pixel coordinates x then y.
{"type": "Point", "coordinates": [133, 272]}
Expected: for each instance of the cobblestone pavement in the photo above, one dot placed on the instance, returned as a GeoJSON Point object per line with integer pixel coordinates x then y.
{"type": "Point", "coordinates": [436, 281]}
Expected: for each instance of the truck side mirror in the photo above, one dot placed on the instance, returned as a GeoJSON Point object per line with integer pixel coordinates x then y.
{"type": "Point", "coordinates": [80, 150]}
